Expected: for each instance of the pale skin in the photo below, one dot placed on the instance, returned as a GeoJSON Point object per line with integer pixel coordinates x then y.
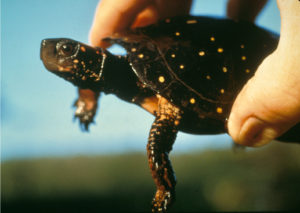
{"type": "Point", "coordinates": [269, 104]}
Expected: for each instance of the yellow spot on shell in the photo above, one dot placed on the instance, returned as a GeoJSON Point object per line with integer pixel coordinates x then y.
{"type": "Point", "coordinates": [82, 48]}
{"type": "Point", "coordinates": [191, 21]}
{"type": "Point", "coordinates": [212, 38]}
{"type": "Point", "coordinates": [219, 110]}
{"type": "Point", "coordinates": [161, 79]}
{"type": "Point", "coordinates": [208, 77]}
{"type": "Point", "coordinates": [247, 70]}
{"type": "Point", "coordinates": [76, 61]}
{"type": "Point", "coordinates": [192, 100]}
{"type": "Point", "coordinates": [224, 69]}
{"type": "Point", "coordinates": [177, 33]}
{"type": "Point", "coordinates": [176, 123]}
{"type": "Point", "coordinates": [242, 46]}
{"type": "Point", "coordinates": [133, 49]}
{"type": "Point", "coordinates": [220, 50]}
{"type": "Point", "coordinates": [222, 91]}
{"type": "Point", "coordinates": [243, 58]}
{"type": "Point", "coordinates": [173, 55]}
{"type": "Point", "coordinates": [181, 66]}
{"type": "Point", "coordinates": [201, 53]}
{"type": "Point", "coordinates": [141, 55]}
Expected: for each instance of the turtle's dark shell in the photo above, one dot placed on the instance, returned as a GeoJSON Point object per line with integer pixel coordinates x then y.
{"type": "Point", "coordinates": [197, 68]}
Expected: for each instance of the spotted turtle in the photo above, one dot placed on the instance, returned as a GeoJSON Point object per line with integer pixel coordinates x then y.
{"type": "Point", "coordinates": [185, 70]}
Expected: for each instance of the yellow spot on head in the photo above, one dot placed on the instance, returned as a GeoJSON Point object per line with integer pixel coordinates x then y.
{"type": "Point", "coordinates": [176, 123]}
{"type": "Point", "coordinates": [173, 55]}
{"type": "Point", "coordinates": [177, 33]}
{"type": "Point", "coordinates": [208, 77]}
{"type": "Point", "coordinates": [242, 46]}
{"type": "Point", "coordinates": [220, 50]}
{"type": "Point", "coordinates": [192, 100]}
{"type": "Point", "coordinates": [181, 66]}
{"type": "Point", "coordinates": [222, 91]}
{"type": "Point", "coordinates": [225, 69]}
{"type": "Point", "coordinates": [212, 38]}
{"type": "Point", "coordinates": [75, 61]}
{"type": "Point", "coordinates": [82, 48]}
{"type": "Point", "coordinates": [201, 53]}
{"type": "Point", "coordinates": [141, 55]}
{"type": "Point", "coordinates": [133, 49]}
{"type": "Point", "coordinates": [243, 58]}
{"type": "Point", "coordinates": [219, 110]}
{"type": "Point", "coordinates": [247, 70]}
{"type": "Point", "coordinates": [161, 79]}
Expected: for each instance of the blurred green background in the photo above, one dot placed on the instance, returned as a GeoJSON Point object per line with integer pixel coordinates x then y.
{"type": "Point", "coordinates": [265, 179]}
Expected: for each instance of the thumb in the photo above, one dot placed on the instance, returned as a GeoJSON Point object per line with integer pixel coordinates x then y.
{"type": "Point", "coordinates": [269, 104]}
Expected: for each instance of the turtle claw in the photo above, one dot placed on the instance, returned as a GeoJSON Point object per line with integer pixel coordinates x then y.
{"type": "Point", "coordinates": [162, 201]}
{"type": "Point", "coordinates": [85, 116]}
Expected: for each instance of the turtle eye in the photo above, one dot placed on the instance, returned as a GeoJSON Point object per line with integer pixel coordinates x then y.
{"type": "Point", "coordinates": [66, 49]}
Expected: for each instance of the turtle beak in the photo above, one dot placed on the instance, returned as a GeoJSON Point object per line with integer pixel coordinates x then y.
{"type": "Point", "coordinates": [43, 44]}
{"type": "Point", "coordinates": [48, 54]}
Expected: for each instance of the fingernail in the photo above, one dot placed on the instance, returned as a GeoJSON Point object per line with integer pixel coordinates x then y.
{"type": "Point", "coordinates": [256, 133]}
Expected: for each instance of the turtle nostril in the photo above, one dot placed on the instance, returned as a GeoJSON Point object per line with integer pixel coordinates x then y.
{"type": "Point", "coordinates": [43, 46]}
{"type": "Point", "coordinates": [43, 43]}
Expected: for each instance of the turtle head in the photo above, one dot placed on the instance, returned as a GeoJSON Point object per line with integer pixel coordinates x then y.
{"type": "Point", "coordinates": [76, 62]}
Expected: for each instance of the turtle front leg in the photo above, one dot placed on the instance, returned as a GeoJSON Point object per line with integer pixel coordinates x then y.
{"type": "Point", "coordinates": [86, 106]}
{"type": "Point", "coordinates": [162, 136]}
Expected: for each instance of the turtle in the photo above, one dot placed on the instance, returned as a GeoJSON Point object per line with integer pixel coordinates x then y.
{"type": "Point", "coordinates": [184, 70]}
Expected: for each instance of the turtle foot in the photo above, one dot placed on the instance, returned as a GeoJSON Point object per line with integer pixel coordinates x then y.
{"type": "Point", "coordinates": [162, 201]}
{"type": "Point", "coordinates": [85, 115]}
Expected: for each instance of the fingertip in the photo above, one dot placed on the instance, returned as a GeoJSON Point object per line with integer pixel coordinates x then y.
{"type": "Point", "coordinates": [239, 113]}
{"type": "Point", "coordinates": [265, 108]}
{"type": "Point", "coordinates": [233, 127]}
{"type": "Point", "coordinates": [245, 125]}
{"type": "Point", "coordinates": [95, 38]}
{"type": "Point", "coordinates": [113, 16]}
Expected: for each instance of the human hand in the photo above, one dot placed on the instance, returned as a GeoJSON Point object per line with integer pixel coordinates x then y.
{"type": "Point", "coordinates": [118, 15]}
{"type": "Point", "coordinates": [269, 104]}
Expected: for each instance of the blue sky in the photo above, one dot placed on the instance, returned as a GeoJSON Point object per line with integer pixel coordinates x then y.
{"type": "Point", "coordinates": [36, 106]}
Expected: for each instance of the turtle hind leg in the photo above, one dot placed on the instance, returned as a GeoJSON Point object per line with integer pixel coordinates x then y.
{"type": "Point", "coordinates": [162, 136]}
{"type": "Point", "coordinates": [86, 106]}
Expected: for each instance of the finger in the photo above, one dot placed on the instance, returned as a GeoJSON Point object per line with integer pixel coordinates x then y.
{"type": "Point", "coordinates": [148, 16]}
{"type": "Point", "coordinates": [268, 105]}
{"type": "Point", "coordinates": [112, 16]}
{"type": "Point", "coordinates": [161, 9]}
